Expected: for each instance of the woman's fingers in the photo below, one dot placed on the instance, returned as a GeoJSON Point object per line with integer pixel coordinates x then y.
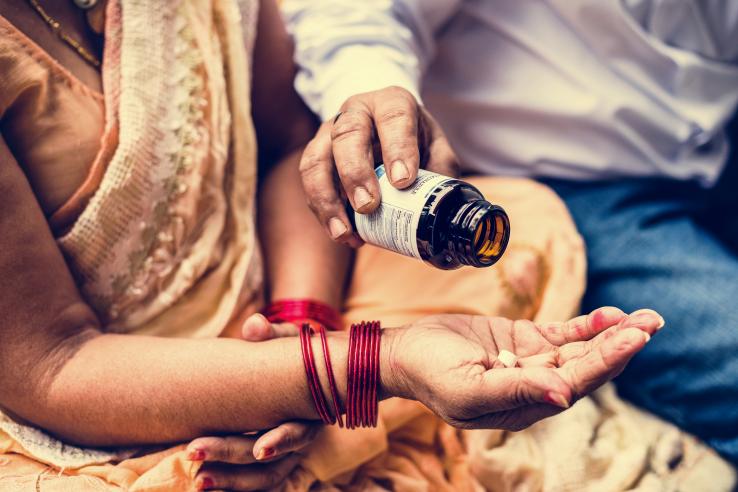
{"type": "Point", "coordinates": [257, 328]}
{"type": "Point", "coordinates": [604, 361]}
{"type": "Point", "coordinates": [582, 327]}
{"type": "Point", "coordinates": [250, 462]}
{"type": "Point", "coordinates": [228, 449]}
{"type": "Point", "coordinates": [513, 388]}
{"type": "Point", "coordinates": [646, 320]}
{"type": "Point", "coordinates": [288, 437]}
{"type": "Point", "coordinates": [266, 476]}
{"type": "Point", "coordinates": [517, 419]}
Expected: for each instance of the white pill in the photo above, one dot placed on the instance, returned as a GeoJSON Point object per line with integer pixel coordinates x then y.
{"type": "Point", "coordinates": [507, 358]}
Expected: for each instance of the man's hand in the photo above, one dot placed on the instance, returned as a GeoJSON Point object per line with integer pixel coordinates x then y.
{"type": "Point", "coordinates": [386, 126]}
{"type": "Point", "coordinates": [252, 461]}
{"type": "Point", "coordinates": [454, 364]}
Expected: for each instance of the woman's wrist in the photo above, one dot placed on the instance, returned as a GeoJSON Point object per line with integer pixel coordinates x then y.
{"type": "Point", "coordinates": [393, 376]}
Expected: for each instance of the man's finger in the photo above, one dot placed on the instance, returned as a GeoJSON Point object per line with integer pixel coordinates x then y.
{"type": "Point", "coordinates": [395, 114]}
{"type": "Point", "coordinates": [257, 328]}
{"type": "Point", "coordinates": [320, 186]}
{"type": "Point", "coordinates": [352, 152]}
{"type": "Point", "coordinates": [441, 157]}
{"type": "Point", "coordinates": [266, 476]}
{"type": "Point", "coordinates": [604, 361]}
{"type": "Point", "coordinates": [228, 449]}
{"type": "Point", "coordinates": [288, 437]}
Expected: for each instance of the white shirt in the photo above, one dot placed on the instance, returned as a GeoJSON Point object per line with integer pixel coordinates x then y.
{"type": "Point", "coordinates": [575, 89]}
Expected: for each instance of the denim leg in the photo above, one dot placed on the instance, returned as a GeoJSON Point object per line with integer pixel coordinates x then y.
{"type": "Point", "coordinates": [645, 249]}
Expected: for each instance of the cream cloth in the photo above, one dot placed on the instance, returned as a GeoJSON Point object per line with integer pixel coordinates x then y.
{"type": "Point", "coordinates": [167, 243]}
{"type": "Point", "coordinates": [601, 444]}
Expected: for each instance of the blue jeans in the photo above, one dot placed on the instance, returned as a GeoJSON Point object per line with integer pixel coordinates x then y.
{"type": "Point", "coordinates": [648, 246]}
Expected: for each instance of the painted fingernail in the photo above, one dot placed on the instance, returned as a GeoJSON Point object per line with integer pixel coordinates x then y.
{"type": "Point", "coordinates": [196, 455]}
{"type": "Point", "coordinates": [337, 227]}
{"type": "Point", "coordinates": [361, 197]}
{"type": "Point", "coordinates": [555, 398]}
{"type": "Point", "coordinates": [399, 171]}
{"type": "Point", "coordinates": [205, 483]}
{"type": "Point", "coordinates": [264, 453]}
{"type": "Point", "coordinates": [645, 316]}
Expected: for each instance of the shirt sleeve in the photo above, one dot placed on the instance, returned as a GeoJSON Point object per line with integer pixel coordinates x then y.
{"type": "Point", "coordinates": [709, 28]}
{"type": "Point", "coordinates": [347, 47]}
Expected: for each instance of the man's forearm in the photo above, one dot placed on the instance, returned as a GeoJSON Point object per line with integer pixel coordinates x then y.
{"type": "Point", "coordinates": [301, 259]}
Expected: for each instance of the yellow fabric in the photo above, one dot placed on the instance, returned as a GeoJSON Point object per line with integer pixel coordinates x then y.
{"type": "Point", "coordinates": [40, 97]}
{"type": "Point", "coordinates": [602, 443]}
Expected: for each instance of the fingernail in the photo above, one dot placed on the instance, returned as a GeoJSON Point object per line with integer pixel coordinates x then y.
{"type": "Point", "coordinates": [264, 453]}
{"type": "Point", "coordinates": [662, 323]}
{"type": "Point", "coordinates": [646, 316]}
{"type": "Point", "coordinates": [196, 455]}
{"type": "Point", "coordinates": [555, 398]}
{"type": "Point", "coordinates": [205, 483]}
{"type": "Point", "coordinates": [399, 171]}
{"type": "Point", "coordinates": [646, 336]}
{"type": "Point", "coordinates": [361, 197]}
{"type": "Point", "coordinates": [337, 227]}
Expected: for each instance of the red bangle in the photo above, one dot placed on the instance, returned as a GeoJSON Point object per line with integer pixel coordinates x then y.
{"type": "Point", "coordinates": [302, 310]}
{"type": "Point", "coordinates": [331, 379]}
{"type": "Point", "coordinates": [363, 375]}
{"type": "Point", "coordinates": [311, 372]}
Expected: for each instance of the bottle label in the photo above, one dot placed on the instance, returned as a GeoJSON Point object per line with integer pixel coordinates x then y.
{"type": "Point", "coordinates": [394, 224]}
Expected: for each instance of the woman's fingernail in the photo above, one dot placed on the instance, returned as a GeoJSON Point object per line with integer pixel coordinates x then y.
{"type": "Point", "coordinates": [264, 453]}
{"type": "Point", "coordinates": [205, 483]}
{"type": "Point", "coordinates": [337, 227]}
{"type": "Point", "coordinates": [646, 336]}
{"type": "Point", "coordinates": [555, 398]}
{"type": "Point", "coordinates": [361, 197]}
{"type": "Point", "coordinates": [196, 455]}
{"type": "Point", "coordinates": [645, 316]}
{"type": "Point", "coordinates": [399, 171]}
{"type": "Point", "coordinates": [662, 323]}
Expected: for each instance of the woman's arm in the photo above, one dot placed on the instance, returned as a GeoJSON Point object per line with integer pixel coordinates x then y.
{"type": "Point", "coordinates": [58, 371]}
{"type": "Point", "coordinates": [301, 261]}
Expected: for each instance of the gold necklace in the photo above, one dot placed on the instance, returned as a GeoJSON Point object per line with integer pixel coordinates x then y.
{"type": "Point", "coordinates": [56, 28]}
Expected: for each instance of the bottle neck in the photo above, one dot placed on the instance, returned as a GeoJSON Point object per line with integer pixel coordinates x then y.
{"type": "Point", "coordinates": [478, 233]}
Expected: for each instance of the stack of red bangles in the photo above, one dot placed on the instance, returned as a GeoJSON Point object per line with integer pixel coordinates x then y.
{"type": "Point", "coordinates": [303, 311]}
{"type": "Point", "coordinates": [363, 361]}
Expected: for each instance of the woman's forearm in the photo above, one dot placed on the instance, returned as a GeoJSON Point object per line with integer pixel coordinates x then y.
{"type": "Point", "coordinates": [301, 259]}
{"type": "Point", "coordinates": [128, 390]}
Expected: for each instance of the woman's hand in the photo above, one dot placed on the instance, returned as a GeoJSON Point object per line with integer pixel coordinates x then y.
{"type": "Point", "coordinates": [257, 461]}
{"type": "Point", "coordinates": [450, 363]}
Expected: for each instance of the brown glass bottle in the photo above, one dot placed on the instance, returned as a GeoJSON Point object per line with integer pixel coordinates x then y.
{"type": "Point", "coordinates": [443, 221]}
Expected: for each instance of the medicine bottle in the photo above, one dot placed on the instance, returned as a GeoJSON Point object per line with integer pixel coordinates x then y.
{"type": "Point", "coordinates": [440, 220]}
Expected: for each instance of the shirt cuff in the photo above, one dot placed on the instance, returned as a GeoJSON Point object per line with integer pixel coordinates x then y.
{"type": "Point", "coordinates": [364, 69]}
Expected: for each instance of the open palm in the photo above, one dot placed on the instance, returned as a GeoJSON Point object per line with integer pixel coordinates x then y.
{"type": "Point", "coordinates": [451, 363]}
